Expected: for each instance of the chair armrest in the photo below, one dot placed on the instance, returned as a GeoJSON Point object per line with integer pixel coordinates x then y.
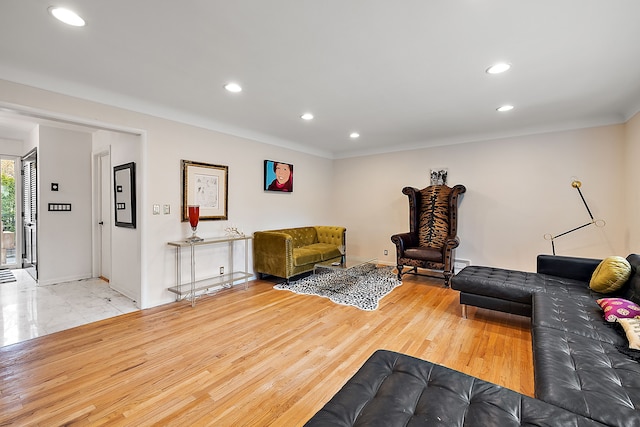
{"type": "Point", "coordinates": [273, 253]}
{"type": "Point", "coordinates": [452, 243]}
{"type": "Point", "coordinates": [567, 267]}
{"type": "Point", "coordinates": [403, 241]}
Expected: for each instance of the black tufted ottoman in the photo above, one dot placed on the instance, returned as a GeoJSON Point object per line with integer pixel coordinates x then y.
{"type": "Point", "coordinates": [393, 389]}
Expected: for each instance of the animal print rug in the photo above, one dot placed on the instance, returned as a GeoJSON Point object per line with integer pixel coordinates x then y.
{"type": "Point", "coordinates": [361, 287]}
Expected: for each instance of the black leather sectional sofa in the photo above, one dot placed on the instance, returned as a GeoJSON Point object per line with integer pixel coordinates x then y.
{"type": "Point", "coordinates": [584, 373]}
{"type": "Point", "coordinates": [396, 390]}
{"type": "Point", "coordinates": [581, 362]}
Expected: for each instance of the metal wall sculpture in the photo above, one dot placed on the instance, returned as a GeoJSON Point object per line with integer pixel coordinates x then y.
{"type": "Point", "coordinates": [597, 222]}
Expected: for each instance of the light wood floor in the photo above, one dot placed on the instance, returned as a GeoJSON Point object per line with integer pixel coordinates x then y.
{"type": "Point", "coordinates": [258, 357]}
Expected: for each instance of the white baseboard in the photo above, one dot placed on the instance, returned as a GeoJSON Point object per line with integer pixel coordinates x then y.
{"type": "Point", "coordinates": [62, 280]}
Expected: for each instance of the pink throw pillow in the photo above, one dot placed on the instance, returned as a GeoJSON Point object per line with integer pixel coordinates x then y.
{"type": "Point", "coordinates": [618, 308]}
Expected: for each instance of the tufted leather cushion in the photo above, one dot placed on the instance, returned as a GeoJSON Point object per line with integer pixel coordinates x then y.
{"type": "Point", "coordinates": [511, 285]}
{"type": "Point", "coordinates": [393, 389]}
{"type": "Point", "coordinates": [580, 316]}
{"type": "Point", "coordinates": [586, 376]}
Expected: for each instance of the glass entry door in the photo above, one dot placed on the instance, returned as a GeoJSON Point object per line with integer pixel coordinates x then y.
{"type": "Point", "coordinates": [30, 214]}
{"type": "Point", "coordinates": [8, 203]}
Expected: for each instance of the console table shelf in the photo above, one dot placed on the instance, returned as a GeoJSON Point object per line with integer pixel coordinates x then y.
{"type": "Point", "coordinates": [189, 290]}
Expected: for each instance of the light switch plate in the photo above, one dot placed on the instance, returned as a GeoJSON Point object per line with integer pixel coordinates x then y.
{"type": "Point", "coordinates": [156, 209]}
{"type": "Point", "coordinates": [167, 209]}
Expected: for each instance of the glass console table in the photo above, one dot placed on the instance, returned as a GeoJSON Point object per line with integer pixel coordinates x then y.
{"type": "Point", "coordinates": [348, 263]}
{"type": "Point", "coordinates": [222, 280]}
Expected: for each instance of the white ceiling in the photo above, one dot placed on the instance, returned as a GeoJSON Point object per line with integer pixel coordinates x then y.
{"type": "Point", "coordinates": [403, 73]}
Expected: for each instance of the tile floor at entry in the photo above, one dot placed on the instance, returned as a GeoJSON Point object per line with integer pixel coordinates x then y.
{"type": "Point", "coordinates": [28, 311]}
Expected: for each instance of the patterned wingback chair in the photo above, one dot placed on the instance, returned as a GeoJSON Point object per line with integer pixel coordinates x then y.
{"type": "Point", "coordinates": [433, 228]}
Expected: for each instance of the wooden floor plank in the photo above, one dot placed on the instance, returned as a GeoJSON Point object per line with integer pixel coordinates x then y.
{"type": "Point", "coordinates": [251, 357]}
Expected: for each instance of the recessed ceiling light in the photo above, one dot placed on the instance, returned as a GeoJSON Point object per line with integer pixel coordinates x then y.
{"type": "Point", "coordinates": [67, 16]}
{"type": "Point", "coordinates": [307, 116]}
{"type": "Point", "coordinates": [504, 108]}
{"type": "Point", "coordinates": [233, 87]}
{"type": "Point", "coordinates": [498, 68]}
{"type": "Point", "coordinates": [354, 135]}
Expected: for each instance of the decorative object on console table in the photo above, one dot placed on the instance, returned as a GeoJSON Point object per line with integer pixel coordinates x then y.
{"type": "Point", "coordinates": [194, 217]}
{"type": "Point", "coordinates": [598, 222]}
{"type": "Point", "coordinates": [233, 231]}
{"type": "Point", "coordinates": [205, 185]}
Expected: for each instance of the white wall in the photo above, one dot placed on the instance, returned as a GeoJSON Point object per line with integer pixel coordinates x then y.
{"type": "Point", "coordinates": [632, 183]}
{"type": "Point", "coordinates": [126, 265]}
{"type": "Point", "coordinates": [11, 147]}
{"type": "Point", "coordinates": [249, 207]}
{"type": "Point", "coordinates": [64, 238]}
{"type": "Point", "coordinates": [518, 190]}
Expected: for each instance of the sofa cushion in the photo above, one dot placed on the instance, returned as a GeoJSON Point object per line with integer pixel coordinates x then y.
{"type": "Point", "coordinates": [393, 389]}
{"type": "Point", "coordinates": [304, 256]}
{"type": "Point", "coordinates": [326, 250]}
{"type": "Point", "coordinates": [610, 275]}
{"type": "Point", "coordinates": [577, 315]}
{"type": "Point", "coordinates": [618, 308]}
{"type": "Point", "coordinates": [586, 376]}
{"type": "Point", "coordinates": [632, 331]}
{"type": "Point", "coordinates": [424, 254]}
{"type": "Point", "coordinates": [330, 234]}
{"type": "Point", "coordinates": [301, 236]}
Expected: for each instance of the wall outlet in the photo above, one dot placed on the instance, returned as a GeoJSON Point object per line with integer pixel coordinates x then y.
{"type": "Point", "coordinates": [156, 209]}
{"type": "Point", "coordinates": [386, 252]}
{"type": "Point", "coordinates": [221, 270]}
{"type": "Point", "coordinates": [167, 209]}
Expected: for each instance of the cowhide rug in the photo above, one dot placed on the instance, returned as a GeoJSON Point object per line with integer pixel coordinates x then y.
{"type": "Point", "coordinates": [361, 287]}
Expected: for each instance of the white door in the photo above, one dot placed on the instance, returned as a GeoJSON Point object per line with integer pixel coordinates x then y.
{"type": "Point", "coordinates": [103, 199]}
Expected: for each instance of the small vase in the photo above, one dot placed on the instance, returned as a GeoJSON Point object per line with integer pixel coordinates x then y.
{"type": "Point", "coordinates": [194, 217]}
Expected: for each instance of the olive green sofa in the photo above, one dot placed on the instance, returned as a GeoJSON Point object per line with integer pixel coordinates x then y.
{"type": "Point", "coordinates": [292, 251]}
